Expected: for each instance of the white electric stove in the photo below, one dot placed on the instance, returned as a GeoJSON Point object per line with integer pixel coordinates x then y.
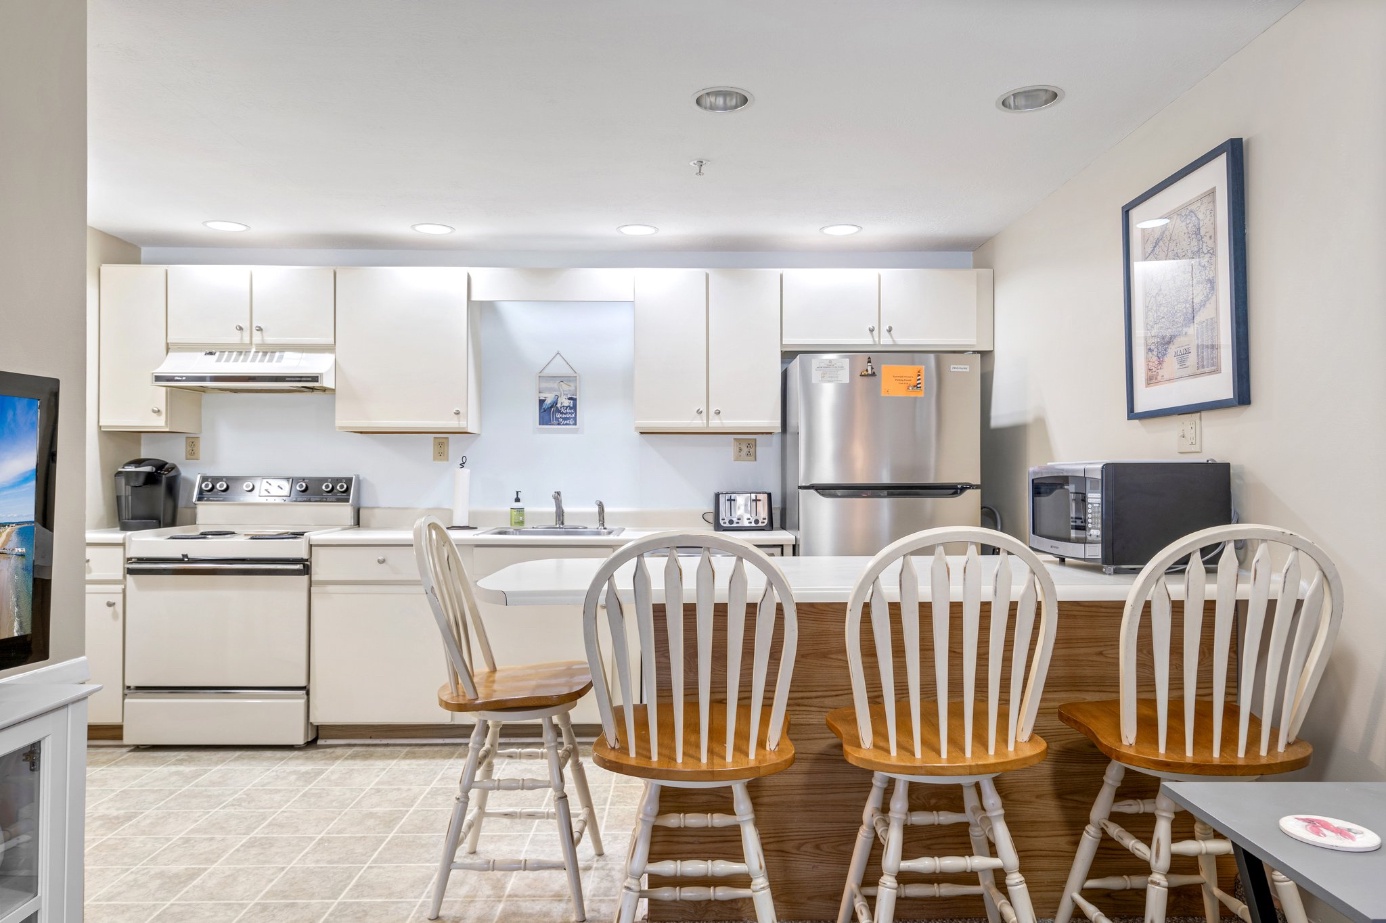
{"type": "Point", "coordinates": [216, 614]}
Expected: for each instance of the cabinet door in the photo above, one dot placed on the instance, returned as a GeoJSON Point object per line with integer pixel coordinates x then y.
{"type": "Point", "coordinates": [743, 350]}
{"type": "Point", "coordinates": [292, 305]}
{"type": "Point", "coordinates": [106, 652]}
{"type": "Point", "coordinates": [376, 657]}
{"type": "Point", "coordinates": [209, 305]}
{"type": "Point", "coordinates": [831, 307]}
{"type": "Point", "coordinates": [670, 350]}
{"type": "Point", "coordinates": [131, 346]}
{"type": "Point", "coordinates": [404, 351]}
{"type": "Point", "coordinates": [929, 307]}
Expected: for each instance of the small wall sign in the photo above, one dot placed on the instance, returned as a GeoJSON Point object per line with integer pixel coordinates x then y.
{"type": "Point", "coordinates": [557, 394]}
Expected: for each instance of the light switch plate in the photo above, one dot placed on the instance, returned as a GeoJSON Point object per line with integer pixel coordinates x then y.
{"type": "Point", "coordinates": [192, 448]}
{"type": "Point", "coordinates": [743, 450]}
{"type": "Point", "coordinates": [1190, 432]}
{"type": "Point", "coordinates": [440, 448]}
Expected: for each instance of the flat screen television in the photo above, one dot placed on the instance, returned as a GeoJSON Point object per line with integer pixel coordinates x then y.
{"type": "Point", "coordinates": [28, 460]}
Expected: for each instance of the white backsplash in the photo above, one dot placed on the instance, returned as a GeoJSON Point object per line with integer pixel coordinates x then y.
{"type": "Point", "coordinates": [607, 460]}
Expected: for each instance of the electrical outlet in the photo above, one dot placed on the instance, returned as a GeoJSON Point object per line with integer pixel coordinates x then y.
{"type": "Point", "coordinates": [440, 448]}
{"type": "Point", "coordinates": [743, 450]}
{"type": "Point", "coordinates": [1191, 432]}
{"type": "Point", "coordinates": [192, 448]}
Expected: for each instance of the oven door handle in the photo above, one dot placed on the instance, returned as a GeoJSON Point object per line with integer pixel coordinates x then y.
{"type": "Point", "coordinates": [217, 568]}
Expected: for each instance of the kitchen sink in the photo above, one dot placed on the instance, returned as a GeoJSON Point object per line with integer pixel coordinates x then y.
{"type": "Point", "coordinates": [555, 531]}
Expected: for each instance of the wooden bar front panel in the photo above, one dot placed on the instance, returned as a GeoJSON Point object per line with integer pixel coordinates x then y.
{"type": "Point", "coordinates": [809, 815]}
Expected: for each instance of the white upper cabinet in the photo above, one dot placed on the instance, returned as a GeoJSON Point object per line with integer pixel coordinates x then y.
{"type": "Point", "coordinates": [831, 307]}
{"type": "Point", "coordinates": [406, 351]}
{"type": "Point", "coordinates": [292, 305]}
{"type": "Point", "coordinates": [743, 350]}
{"type": "Point", "coordinates": [131, 345]}
{"type": "Point", "coordinates": [670, 350]}
{"type": "Point", "coordinates": [707, 351]}
{"type": "Point", "coordinates": [209, 305]}
{"type": "Point", "coordinates": [936, 308]}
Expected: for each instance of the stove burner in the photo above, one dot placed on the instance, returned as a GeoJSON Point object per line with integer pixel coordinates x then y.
{"type": "Point", "coordinates": [275, 536]}
{"type": "Point", "coordinates": [216, 533]}
{"type": "Point", "coordinates": [205, 534]}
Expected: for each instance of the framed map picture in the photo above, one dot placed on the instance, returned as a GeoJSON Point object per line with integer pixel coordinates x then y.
{"type": "Point", "coordinates": [1185, 247]}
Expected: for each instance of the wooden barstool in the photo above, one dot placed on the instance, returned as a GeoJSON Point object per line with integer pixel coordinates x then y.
{"type": "Point", "coordinates": [1134, 732]}
{"type": "Point", "coordinates": [494, 696]}
{"type": "Point", "coordinates": [943, 741]}
{"type": "Point", "coordinates": [673, 729]}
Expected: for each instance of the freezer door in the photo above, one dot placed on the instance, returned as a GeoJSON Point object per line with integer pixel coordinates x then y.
{"type": "Point", "coordinates": [834, 522]}
{"type": "Point", "coordinates": [853, 418]}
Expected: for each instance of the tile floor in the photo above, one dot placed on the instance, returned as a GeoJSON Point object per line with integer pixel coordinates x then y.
{"type": "Point", "coordinates": [334, 833]}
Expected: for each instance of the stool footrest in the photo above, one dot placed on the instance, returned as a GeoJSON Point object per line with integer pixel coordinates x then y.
{"type": "Point", "coordinates": [1134, 846]}
{"type": "Point", "coordinates": [949, 865]}
{"type": "Point", "coordinates": [1201, 848]}
{"type": "Point", "coordinates": [506, 865]}
{"type": "Point", "coordinates": [936, 818]}
{"type": "Point", "coordinates": [697, 868]}
{"type": "Point", "coordinates": [522, 784]}
{"type": "Point", "coordinates": [714, 893]}
{"type": "Point", "coordinates": [699, 821]}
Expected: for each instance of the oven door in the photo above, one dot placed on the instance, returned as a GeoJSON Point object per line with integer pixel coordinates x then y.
{"type": "Point", "coordinates": [216, 624]}
{"type": "Point", "coordinates": [1062, 509]}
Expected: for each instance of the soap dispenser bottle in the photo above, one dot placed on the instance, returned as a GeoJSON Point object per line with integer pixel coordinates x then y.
{"type": "Point", "coordinates": [517, 513]}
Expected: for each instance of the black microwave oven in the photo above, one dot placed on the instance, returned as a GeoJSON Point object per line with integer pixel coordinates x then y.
{"type": "Point", "coordinates": [1120, 514]}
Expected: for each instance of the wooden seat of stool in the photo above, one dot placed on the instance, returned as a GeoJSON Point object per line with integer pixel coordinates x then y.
{"type": "Point", "coordinates": [667, 768]}
{"type": "Point", "coordinates": [536, 685]}
{"type": "Point", "coordinates": [878, 758]}
{"type": "Point", "coordinates": [1100, 722]}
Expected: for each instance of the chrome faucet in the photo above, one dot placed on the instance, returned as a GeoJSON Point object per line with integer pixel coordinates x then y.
{"type": "Point", "coordinates": [601, 515]}
{"type": "Point", "coordinates": [558, 508]}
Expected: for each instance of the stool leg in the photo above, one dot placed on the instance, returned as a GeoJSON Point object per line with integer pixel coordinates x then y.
{"type": "Point", "coordinates": [565, 818]}
{"type": "Point", "coordinates": [861, 853]}
{"type": "Point", "coordinates": [1290, 901]}
{"type": "Point", "coordinates": [459, 817]}
{"type": "Point", "coordinates": [980, 847]}
{"type": "Point", "coordinates": [639, 853]}
{"type": "Point", "coordinates": [890, 861]}
{"type": "Point", "coordinates": [1016, 888]}
{"type": "Point", "coordinates": [487, 770]}
{"type": "Point", "coordinates": [1157, 892]}
{"type": "Point", "coordinates": [1092, 836]}
{"type": "Point", "coordinates": [1208, 871]}
{"type": "Point", "coordinates": [755, 856]}
{"type": "Point", "coordinates": [580, 782]}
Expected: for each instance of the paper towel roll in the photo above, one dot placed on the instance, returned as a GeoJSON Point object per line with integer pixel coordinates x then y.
{"type": "Point", "coordinates": [461, 496]}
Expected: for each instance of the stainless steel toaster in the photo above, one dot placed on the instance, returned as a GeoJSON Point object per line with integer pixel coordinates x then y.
{"type": "Point", "coordinates": [741, 511]}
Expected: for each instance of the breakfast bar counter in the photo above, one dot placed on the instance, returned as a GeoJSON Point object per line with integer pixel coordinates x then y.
{"type": "Point", "coordinates": [808, 816]}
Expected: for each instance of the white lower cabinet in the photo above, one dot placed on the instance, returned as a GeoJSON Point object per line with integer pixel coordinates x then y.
{"type": "Point", "coordinates": [105, 611]}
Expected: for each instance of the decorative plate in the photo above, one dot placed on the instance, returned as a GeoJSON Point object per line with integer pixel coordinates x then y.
{"type": "Point", "coordinates": [1329, 832]}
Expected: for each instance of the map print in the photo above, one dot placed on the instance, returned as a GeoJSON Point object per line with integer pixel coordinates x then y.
{"type": "Point", "coordinates": [1178, 294]}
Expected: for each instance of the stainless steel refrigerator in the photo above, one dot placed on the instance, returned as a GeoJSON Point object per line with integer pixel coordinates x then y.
{"type": "Point", "coordinates": [878, 446]}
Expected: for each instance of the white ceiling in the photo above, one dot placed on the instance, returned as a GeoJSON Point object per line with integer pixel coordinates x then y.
{"type": "Point", "coordinates": [544, 124]}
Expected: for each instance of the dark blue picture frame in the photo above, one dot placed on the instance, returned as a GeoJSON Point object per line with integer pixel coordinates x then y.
{"type": "Point", "coordinates": [1236, 238]}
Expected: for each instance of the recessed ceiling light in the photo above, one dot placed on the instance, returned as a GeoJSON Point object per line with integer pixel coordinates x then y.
{"type": "Point", "coordinates": [1030, 99]}
{"type": "Point", "coordinates": [721, 99]}
{"type": "Point", "coordinates": [1153, 223]}
{"type": "Point", "coordinates": [638, 230]}
{"type": "Point", "coordinates": [841, 230]}
{"type": "Point", "coordinates": [226, 225]}
{"type": "Point", "coordinates": [433, 229]}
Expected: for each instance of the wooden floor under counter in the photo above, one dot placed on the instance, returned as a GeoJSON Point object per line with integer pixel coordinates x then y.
{"type": "Point", "coordinates": [809, 815]}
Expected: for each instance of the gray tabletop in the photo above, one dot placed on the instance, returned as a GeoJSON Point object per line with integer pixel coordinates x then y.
{"type": "Point", "coordinates": [1249, 814]}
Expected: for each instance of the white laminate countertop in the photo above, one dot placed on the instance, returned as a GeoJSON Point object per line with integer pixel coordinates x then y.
{"type": "Point", "coordinates": [564, 582]}
{"type": "Point", "coordinates": [106, 537]}
{"type": "Point", "coordinates": [479, 537]}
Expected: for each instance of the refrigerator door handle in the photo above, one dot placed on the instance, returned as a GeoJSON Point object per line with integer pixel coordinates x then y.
{"type": "Point", "coordinates": [871, 491]}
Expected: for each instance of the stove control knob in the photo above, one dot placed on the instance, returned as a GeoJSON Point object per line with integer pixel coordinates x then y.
{"type": "Point", "coordinates": [221, 485]}
{"type": "Point", "coordinates": [327, 487]}
{"type": "Point", "coordinates": [301, 486]}
{"type": "Point", "coordinates": [206, 485]}
{"type": "Point", "coordinates": [341, 487]}
{"type": "Point", "coordinates": [249, 485]}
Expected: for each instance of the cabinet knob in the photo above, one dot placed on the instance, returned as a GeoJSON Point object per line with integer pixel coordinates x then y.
{"type": "Point", "coordinates": [890, 328]}
{"type": "Point", "coordinates": [110, 604]}
{"type": "Point", "coordinates": [259, 329]}
{"type": "Point", "coordinates": [718, 411]}
{"type": "Point", "coordinates": [239, 328]}
{"type": "Point", "coordinates": [700, 411]}
{"type": "Point", "coordinates": [380, 560]}
{"type": "Point", "coordinates": [872, 328]}
{"type": "Point", "coordinates": [457, 411]}
{"type": "Point", "coordinates": [156, 410]}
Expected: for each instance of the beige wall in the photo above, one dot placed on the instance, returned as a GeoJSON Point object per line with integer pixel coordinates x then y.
{"type": "Point", "coordinates": [43, 183]}
{"type": "Point", "coordinates": [1309, 97]}
{"type": "Point", "coordinates": [105, 451]}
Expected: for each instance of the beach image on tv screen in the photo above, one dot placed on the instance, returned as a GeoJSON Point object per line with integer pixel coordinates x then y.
{"type": "Point", "coordinates": [19, 419]}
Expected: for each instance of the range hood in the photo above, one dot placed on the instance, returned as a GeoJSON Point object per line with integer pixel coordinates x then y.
{"type": "Point", "coordinates": [246, 370]}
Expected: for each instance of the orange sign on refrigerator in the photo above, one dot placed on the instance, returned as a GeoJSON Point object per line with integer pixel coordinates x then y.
{"type": "Point", "coordinates": [902, 381]}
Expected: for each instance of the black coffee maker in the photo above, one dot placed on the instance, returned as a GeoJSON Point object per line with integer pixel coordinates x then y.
{"type": "Point", "coordinates": [146, 494]}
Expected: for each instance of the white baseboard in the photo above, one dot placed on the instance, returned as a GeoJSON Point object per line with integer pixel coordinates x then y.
{"type": "Point", "coordinates": [64, 672]}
